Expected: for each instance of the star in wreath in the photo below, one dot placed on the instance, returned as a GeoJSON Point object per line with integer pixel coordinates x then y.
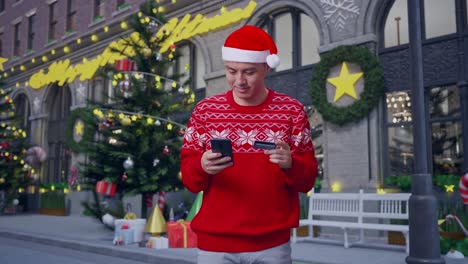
{"type": "Point", "coordinates": [365, 102]}
{"type": "Point", "coordinates": [344, 83]}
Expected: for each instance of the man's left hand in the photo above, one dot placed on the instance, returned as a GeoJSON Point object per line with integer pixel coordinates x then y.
{"type": "Point", "coordinates": [281, 155]}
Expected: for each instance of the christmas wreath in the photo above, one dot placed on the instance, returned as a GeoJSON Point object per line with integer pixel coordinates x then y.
{"type": "Point", "coordinates": [370, 96]}
{"type": "Point", "coordinates": [80, 132]}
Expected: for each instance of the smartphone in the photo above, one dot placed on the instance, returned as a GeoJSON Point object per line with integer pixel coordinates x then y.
{"type": "Point", "coordinates": [264, 145]}
{"type": "Point", "coordinates": [223, 146]}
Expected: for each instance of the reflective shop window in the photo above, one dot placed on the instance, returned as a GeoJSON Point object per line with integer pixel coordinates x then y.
{"type": "Point", "coordinates": [447, 149]}
{"type": "Point", "coordinates": [398, 107]}
{"type": "Point", "coordinates": [446, 130]}
{"type": "Point", "coordinates": [400, 133]}
{"type": "Point", "coordinates": [439, 18]}
{"type": "Point", "coordinates": [400, 150]}
{"type": "Point", "coordinates": [444, 102]}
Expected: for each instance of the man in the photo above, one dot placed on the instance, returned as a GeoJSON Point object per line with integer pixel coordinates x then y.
{"type": "Point", "coordinates": [250, 203]}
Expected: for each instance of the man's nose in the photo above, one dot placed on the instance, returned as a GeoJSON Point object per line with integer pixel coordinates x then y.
{"type": "Point", "coordinates": [240, 78]}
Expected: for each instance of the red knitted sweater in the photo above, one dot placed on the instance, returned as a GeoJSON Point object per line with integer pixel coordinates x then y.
{"type": "Point", "coordinates": [252, 205]}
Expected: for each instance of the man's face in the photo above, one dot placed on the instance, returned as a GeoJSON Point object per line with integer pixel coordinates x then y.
{"type": "Point", "coordinates": [247, 81]}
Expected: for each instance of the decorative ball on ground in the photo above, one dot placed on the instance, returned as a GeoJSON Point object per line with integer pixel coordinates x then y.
{"type": "Point", "coordinates": [15, 202]}
{"type": "Point", "coordinates": [454, 254]}
{"type": "Point", "coordinates": [108, 220]}
{"type": "Point", "coordinates": [128, 163]}
{"type": "Point", "coordinates": [35, 156]}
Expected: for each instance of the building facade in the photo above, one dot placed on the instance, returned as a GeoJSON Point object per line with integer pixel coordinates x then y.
{"type": "Point", "coordinates": [35, 34]}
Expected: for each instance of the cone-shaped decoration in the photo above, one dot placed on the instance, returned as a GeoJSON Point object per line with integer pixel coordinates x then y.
{"type": "Point", "coordinates": [156, 223]}
{"type": "Point", "coordinates": [195, 207]}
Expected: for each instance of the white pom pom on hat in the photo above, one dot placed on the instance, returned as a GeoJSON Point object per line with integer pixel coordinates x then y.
{"type": "Point", "coordinates": [251, 44]}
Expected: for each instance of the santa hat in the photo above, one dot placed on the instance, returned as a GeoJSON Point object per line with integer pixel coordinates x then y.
{"type": "Point", "coordinates": [251, 44]}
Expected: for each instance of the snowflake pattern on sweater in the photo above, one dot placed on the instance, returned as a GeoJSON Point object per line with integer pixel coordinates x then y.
{"type": "Point", "coordinates": [217, 117]}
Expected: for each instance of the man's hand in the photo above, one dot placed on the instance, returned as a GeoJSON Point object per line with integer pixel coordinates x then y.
{"type": "Point", "coordinates": [212, 163]}
{"type": "Point", "coordinates": [281, 155]}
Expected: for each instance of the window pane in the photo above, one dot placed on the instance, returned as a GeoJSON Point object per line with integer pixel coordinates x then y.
{"type": "Point", "coordinates": [447, 149]}
{"type": "Point", "coordinates": [199, 70]}
{"type": "Point", "coordinates": [98, 90]}
{"type": "Point", "coordinates": [396, 26]}
{"type": "Point", "coordinates": [183, 61]}
{"type": "Point", "coordinates": [283, 39]}
{"type": "Point", "coordinates": [400, 146]}
{"type": "Point", "coordinates": [310, 41]}
{"type": "Point", "coordinates": [398, 107]}
{"type": "Point", "coordinates": [444, 101]}
{"type": "Point", "coordinates": [440, 18]}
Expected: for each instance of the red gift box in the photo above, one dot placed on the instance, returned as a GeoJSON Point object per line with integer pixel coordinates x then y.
{"type": "Point", "coordinates": [180, 235]}
{"type": "Point", "coordinates": [125, 65]}
{"type": "Point", "coordinates": [106, 188]}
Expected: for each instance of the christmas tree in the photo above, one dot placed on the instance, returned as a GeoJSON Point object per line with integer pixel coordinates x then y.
{"type": "Point", "coordinates": [15, 174]}
{"type": "Point", "coordinates": [134, 141]}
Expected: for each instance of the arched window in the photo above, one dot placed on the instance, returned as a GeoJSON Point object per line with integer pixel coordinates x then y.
{"type": "Point", "coordinates": [190, 65]}
{"type": "Point", "coordinates": [439, 18]}
{"type": "Point", "coordinates": [296, 37]}
{"type": "Point", "coordinates": [23, 112]}
{"type": "Point", "coordinates": [58, 154]}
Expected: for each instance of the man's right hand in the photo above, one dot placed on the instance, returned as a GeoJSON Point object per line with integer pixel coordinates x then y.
{"type": "Point", "coordinates": [213, 163]}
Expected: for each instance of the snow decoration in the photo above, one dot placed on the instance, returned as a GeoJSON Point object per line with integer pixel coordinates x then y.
{"type": "Point", "coordinates": [337, 12]}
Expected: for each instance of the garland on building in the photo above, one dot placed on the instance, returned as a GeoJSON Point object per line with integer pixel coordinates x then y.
{"type": "Point", "coordinates": [370, 96]}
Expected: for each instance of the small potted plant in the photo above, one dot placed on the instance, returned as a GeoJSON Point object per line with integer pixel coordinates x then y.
{"type": "Point", "coordinates": [54, 199]}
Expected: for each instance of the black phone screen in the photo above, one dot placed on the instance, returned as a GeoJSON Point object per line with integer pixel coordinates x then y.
{"type": "Point", "coordinates": [222, 145]}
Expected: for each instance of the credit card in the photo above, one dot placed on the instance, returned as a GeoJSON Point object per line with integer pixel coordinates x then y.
{"type": "Point", "coordinates": [264, 145]}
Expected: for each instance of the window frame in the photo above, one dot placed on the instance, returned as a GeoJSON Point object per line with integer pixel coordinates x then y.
{"type": "Point", "coordinates": [70, 20]}
{"type": "Point", "coordinates": [268, 23]}
{"type": "Point", "coordinates": [1, 43]}
{"type": "Point", "coordinates": [16, 39]}
{"type": "Point", "coordinates": [31, 33]}
{"type": "Point", "coordinates": [177, 68]}
{"type": "Point", "coordinates": [52, 22]}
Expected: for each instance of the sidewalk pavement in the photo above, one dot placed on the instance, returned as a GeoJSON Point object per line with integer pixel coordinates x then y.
{"type": "Point", "coordinates": [87, 234]}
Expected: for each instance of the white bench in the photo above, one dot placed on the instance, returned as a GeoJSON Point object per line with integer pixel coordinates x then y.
{"type": "Point", "coordinates": [356, 211]}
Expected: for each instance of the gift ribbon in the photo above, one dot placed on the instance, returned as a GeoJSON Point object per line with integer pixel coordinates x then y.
{"type": "Point", "coordinates": [182, 223]}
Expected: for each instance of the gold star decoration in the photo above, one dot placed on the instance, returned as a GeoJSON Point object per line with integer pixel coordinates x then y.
{"type": "Point", "coordinates": [449, 188]}
{"type": "Point", "coordinates": [2, 60]}
{"type": "Point", "coordinates": [344, 83]}
{"type": "Point", "coordinates": [79, 128]}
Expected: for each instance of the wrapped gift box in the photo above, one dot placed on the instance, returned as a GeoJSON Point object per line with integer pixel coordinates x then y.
{"type": "Point", "coordinates": [125, 65]}
{"type": "Point", "coordinates": [158, 242]}
{"type": "Point", "coordinates": [123, 236]}
{"type": "Point", "coordinates": [106, 188]}
{"type": "Point", "coordinates": [180, 235]}
{"type": "Point", "coordinates": [137, 225]}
